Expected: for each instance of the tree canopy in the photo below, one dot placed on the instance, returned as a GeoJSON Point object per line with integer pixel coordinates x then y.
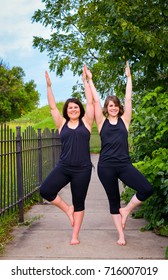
{"type": "Point", "coordinates": [104, 34]}
{"type": "Point", "coordinates": [16, 97]}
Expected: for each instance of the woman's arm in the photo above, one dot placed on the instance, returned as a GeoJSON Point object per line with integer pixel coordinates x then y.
{"type": "Point", "coordinates": [57, 117]}
{"type": "Point", "coordinates": [128, 97]}
{"type": "Point", "coordinates": [99, 117]}
{"type": "Point", "coordinates": [89, 113]}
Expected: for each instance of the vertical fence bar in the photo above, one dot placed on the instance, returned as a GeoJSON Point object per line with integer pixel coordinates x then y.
{"type": "Point", "coordinates": [4, 170]}
{"type": "Point", "coordinates": [1, 165]}
{"type": "Point", "coordinates": [8, 167]}
{"type": "Point", "coordinates": [58, 145]}
{"type": "Point", "coordinates": [19, 173]}
{"type": "Point", "coordinates": [40, 159]}
{"type": "Point", "coordinates": [53, 147]}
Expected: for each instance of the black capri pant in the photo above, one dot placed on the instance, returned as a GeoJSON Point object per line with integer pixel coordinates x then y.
{"type": "Point", "coordinates": [60, 176]}
{"type": "Point", "coordinates": [130, 176]}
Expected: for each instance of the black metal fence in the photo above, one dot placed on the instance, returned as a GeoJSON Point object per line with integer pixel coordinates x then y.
{"type": "Point", "coordinates": [26, 158]}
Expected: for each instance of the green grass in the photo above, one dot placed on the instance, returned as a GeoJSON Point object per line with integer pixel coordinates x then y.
{"type": "Point", "coordinates": [7, 223]}
{"type": "Point", "coordinates": [95, 143]}
{"type": "Point", "coordinates": [166, 253]}
{"type": "Point", "coordinates": [41, 118]}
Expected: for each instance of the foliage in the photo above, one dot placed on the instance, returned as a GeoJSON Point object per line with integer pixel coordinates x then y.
{"type": "Point", "coordinates": [155, 209]}
{"type": "Point", "coordinates": [16, 97]}
{"type": "Point", "coordinates": [150, 123]}
{"type": "Point", "coordinates": [149, 149]}
{"type": "Point", "coordinates": [104, 34]}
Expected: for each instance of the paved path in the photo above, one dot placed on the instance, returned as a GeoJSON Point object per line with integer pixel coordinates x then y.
{"type": "Point", "coordinates": [48, 236]}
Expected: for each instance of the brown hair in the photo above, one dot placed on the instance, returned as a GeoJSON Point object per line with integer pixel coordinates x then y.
{"type": "Point", "coordinates": [76, 101]}
{"type": "Point", "coordinates": [117, 103]}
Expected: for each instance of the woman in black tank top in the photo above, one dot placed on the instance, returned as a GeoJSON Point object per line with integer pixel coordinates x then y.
{"type": "Point", "coordinates": [114, 161]}
{"type": "Point", "coordinates": [75, 165]}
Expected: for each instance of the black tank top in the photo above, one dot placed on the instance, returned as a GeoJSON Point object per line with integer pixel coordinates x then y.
{"type": "Point", "coordinates": [75, 146]}
{"type": "Point", "coordinates": [114, 144]}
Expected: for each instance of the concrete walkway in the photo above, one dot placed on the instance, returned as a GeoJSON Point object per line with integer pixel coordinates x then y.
{"type": "Point", "coordinates": [48, 233]}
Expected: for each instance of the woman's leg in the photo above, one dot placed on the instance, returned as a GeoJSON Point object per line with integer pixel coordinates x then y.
{"type": "Point", "coordinates": [135, 180]}
{"type": "Point", "coordinates": [79, 186]}
{"type": "Point", "coordinates": [66, 208]}
{"type": "Point", "coordinates": [49, 189]}
{"type": "Point", "coordinates": [125, 211]}
{"type": "Point", "coordinates": [78, 219]}
{"type": "Point", "coordinates": [117, 222]}
{"type": "Point", "coordinates": [109, 180]}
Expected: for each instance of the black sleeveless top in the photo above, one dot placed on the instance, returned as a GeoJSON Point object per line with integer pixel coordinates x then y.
{"type": "Point", "coordinates": [114, 144]}
{"type": "Point", "coordinates": [75, 146]}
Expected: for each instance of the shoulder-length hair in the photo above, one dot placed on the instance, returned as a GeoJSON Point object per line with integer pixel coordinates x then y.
{"type": "Point", "coordinates": [76, 101]}
{"type": "Point", "coordinates": [117, 103]}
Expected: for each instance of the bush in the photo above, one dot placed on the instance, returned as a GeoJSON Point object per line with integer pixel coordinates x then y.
{"type": "Point", "coordinates": [149, 149]}
{"type": "Point", "coordinates": [155, 209]}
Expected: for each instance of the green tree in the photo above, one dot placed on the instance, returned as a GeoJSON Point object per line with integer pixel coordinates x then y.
{"type": "Point", "coordinates": [16, 97]}
{"type": "Point", "coordinates": [104, 34]}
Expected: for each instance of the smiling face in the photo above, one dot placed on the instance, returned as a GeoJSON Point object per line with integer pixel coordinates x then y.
{"type": "Point", "coordinates": [112, 109]}
{"type": "Point", "coordinates": [73, 111]}
{"type": "Point", "coordinates": [112, 106]}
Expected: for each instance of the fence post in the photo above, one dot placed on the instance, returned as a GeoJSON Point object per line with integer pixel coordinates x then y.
{"type": "Point", "coordinates": [53, 147]}
{"type": "Point", "coordinates": [58, 145]}
{"type": "Point", "coordinates": [19, 173]}
{"type": "Point", "coordinates": [40, 160]}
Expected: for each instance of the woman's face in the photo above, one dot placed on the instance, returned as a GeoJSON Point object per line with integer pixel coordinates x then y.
{"type": "Point", "coordinates": [73, 111]}
{"type": "Point", "coordinates": [112, 109]}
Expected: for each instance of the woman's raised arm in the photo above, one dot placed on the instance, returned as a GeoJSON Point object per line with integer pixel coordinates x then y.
{"type": "Point", "coordinates": [57, 117]}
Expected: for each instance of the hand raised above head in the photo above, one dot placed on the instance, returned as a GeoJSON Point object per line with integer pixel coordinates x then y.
{"type": "Point", "coordinates": [88, 72]}
{"type": "Point", "coordinates": [83, 75]}
{"type": "Point", "coordinates": [127, 69]}
{"type": "Point", "coordinates": [48, 81]}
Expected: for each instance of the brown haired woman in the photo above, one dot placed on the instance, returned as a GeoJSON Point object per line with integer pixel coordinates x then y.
{"type": "Point", "coordinates": [114, 161]}
{"type": "Point", "coordinates": [74, 165]}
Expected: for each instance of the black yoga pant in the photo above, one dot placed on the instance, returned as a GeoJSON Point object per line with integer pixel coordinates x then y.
{"type": "Point", "coordinates": [60, 176]}
{"type": "Point", "coordinates": [130, 176]}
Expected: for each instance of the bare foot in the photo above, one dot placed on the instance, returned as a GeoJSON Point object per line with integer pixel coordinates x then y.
{"type": "Point", "coordinates": [124, 215]}
{"type": "Point", "coordinates": [70, 214]}
{"type": "Point", "coordinates": [74, 241]}
{"type": "Point", "coordinates": [121, 242]}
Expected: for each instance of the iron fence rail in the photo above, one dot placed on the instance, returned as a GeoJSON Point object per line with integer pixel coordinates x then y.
{"type": "Point", "coordinates": [26, 158]}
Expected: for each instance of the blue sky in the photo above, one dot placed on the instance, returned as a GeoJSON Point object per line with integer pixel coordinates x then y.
{"type": "Point", "coordinates": [16, 36]}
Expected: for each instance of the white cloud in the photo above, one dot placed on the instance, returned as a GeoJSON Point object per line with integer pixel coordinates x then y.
{"type": "Point", "coordinates": [16, 36]}
{"type": "Point", "coordinates": [16, 26]}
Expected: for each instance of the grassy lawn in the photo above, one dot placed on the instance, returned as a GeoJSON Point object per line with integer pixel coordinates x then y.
{"type": "Point", "coordinates": [95, 140]}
